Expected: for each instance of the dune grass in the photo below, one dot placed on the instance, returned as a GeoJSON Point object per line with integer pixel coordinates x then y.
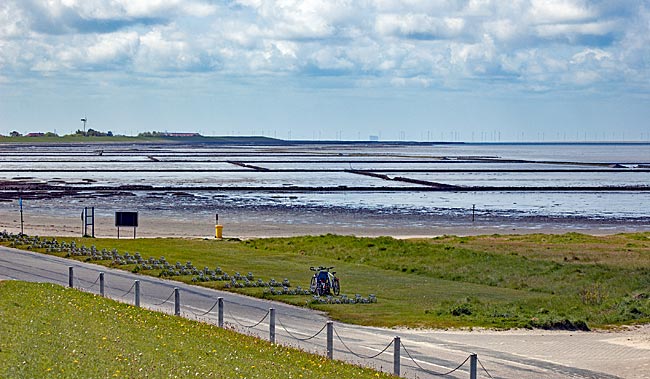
{"type": "Point", "coordinates": [101, 338]}
{"type": "Point", "coordinates": [542, 281]}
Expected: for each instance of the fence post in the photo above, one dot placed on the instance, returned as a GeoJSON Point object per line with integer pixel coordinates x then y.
{"type": "Point", "coordinates": [272, 325]}
{"type": "Point", "coordinates": [70, 277]}
{"type": "Point", "coordinates": [330, 339]}
{"type": "Point", "coordinates": [137, 293]}
{"type": "Point", "coordinates": [177, 301]}
{"type": "Point", "coordinates": [220, 311]}
{"type": "Point", "coordinates": [396, 358]}
{"type": "Point", "coordinates": [101, 284]}
{"type": "Point", "coordinates": [472, 366]}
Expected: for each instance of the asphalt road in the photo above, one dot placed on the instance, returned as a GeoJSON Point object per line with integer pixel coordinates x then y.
{"type": "Point", "coordinates": [514, 354]}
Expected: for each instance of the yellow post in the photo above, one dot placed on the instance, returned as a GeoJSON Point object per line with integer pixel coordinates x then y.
{"type": "Point", "coordinates": [218, 231]}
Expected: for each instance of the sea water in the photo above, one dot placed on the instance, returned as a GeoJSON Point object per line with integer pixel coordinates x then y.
{"type": "Point", "coordinates": [208, 176]}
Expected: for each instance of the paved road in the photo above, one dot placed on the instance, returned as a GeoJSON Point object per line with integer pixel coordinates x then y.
{"type": "Point", "coordinates": [503, 354]}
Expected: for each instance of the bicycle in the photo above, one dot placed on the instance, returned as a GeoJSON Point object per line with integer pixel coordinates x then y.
{"type": "Point", "coordinates": [324, 281]}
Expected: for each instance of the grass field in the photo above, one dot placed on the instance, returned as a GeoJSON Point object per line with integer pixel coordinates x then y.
{"type": "Point", "coordinates": [499, 281]}
{"type": "Point", "coordinates": [101, 338]}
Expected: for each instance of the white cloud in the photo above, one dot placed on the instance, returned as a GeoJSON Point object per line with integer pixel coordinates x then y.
{"type": "Point", "coordinates": [419, 26]}
{"type": "Point", "coordinates": [559, 11]}
{"type": "Point", "coordinates": [538, 43]}
{"type": "Point", "coordinates": [568, 30]}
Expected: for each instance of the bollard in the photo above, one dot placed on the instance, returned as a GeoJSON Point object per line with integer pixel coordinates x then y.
{"type": "Point", "coordinates": [70, 277]}
{"type": "Point", "coordinates": [472, 366]}
{"type": "Point", "coordinates": [272, 325]}
{"type": "Point", "coordinates": [137, 293]}
{"type": "Point", "coordinates": [396, 359]}
{"type": "Point", "coordinates": [330, 339]}
{"type": "Point", "coordinates": [220, 311]}
{"type": "Point", "coordinates": [177, 301]}
{"type": "Point", "coordinates": [101, 284]}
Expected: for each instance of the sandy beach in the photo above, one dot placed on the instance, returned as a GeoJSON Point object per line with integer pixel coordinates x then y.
{"type": "Point", "coordinates": [244, 224]}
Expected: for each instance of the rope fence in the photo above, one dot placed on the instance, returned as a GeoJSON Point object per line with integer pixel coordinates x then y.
{"type": "Point", "coordinates": [166, 300]}
{"type": "Point", "coordinates": [396, 342]}
{"type": "Point", "coordinates": [205, 313]}
{"type": "Point", "coordinates": [361, 355]}
{"type": "Point", "coordinates": [484, 369]}
{"type": "Point", "coordinates": [87, 289]}
{"type": "Point", "coordinates": [249, 326]}
{"type": "Point", "coordinates": [433, 372]}
{"type": "Point", "coordinates": [127, 292]}
{"type": "Point", "coordinates": [299, 338]}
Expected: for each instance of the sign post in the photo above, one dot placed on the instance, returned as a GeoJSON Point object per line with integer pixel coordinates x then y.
{"type": "Point", "coordinates": [22, 223]}
{"type": "Point", "coordinates": [88, 219]}
{"type": "Point", "coordinates": [129, 219]}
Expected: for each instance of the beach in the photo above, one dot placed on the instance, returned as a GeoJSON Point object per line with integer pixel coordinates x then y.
{"type": "Point", "coordinates": [245, 224]}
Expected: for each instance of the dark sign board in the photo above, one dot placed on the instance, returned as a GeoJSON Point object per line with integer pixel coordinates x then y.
{"type": "Point", "coordinates": [126, 219]}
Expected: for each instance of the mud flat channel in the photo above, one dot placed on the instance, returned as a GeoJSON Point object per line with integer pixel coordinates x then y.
{"type": "Point", "coordinates": [362, 189]}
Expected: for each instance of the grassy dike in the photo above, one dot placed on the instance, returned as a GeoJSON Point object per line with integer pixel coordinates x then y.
{"type": "Point", "coordinates": [48, 331]}
{"type": "Point", "coordinates": [499, 281]}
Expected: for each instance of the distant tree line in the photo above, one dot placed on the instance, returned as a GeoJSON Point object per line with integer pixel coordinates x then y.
{"type": "Point", "coordinates": [87, 133]}
{"type": "Point", "coordinates": [152, 134]}
{"type": "Point", "coordinates": [93, 133]}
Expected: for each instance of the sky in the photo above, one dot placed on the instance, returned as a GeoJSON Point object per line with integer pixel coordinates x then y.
{"type": "Point", "coordinates": [423, 70]}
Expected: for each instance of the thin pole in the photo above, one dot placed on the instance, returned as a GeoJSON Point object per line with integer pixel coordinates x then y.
{"type": "Point", "coordinates": [101, 284]}
{"type": "Point", "coordinates": [220, 311]}
{"type": "Point", "coordinates": [137, 293]}
{"type": "Point", "coordinates": [330, 339]}
{"type": "Point", "coordinates": [473, 211]}
{"type": "Point", "coordinates": [272, 325]}
{"type": "Point", "coordinates": [177, 301]}
{"type": "Point", "coordinates": [472, 366]}
{"type": "Point", "coordinates": [22, 230]}
{"type": "Point", "coordinates": [70, 277]}
{"type": "Point", "coordinates": [396, 357]}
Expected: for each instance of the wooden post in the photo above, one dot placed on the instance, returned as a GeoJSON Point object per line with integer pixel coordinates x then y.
{"type": "Point", "coordinates": [22, 223]}
{"type": "Point", "coordinates": [330, 339]}
{"type": "Point", "coordinates": [472, 366]}
{"type": "Point", "coordinates": [177, 302]}
{"type": "Point", "coordinates": [70, 277]}
{"type": "Point", "coordinates": [220, 311]}
{"type": "Point", "coordinates": [101, 284]}
{"type": "Point", "coordinates": [137, 293]}
{"type": "Point", "coordinates": [272, 325]}
{"type": "Point", "coordinates": [396, 357]}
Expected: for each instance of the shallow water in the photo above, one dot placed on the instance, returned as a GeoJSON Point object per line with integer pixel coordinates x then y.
{"type": "Point", "coordinates": [316, 166]}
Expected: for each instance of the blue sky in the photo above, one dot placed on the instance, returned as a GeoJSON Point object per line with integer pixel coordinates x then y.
{"type": "Point", "coordinates": [452, 70]}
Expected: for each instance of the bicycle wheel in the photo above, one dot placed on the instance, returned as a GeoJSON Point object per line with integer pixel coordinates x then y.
{"type": "Point", "coordinates": [312, 285]}
{"type": "Point", "coordinates": [320, 289]}
{"type": "Point", "coordinates": [336, 287]}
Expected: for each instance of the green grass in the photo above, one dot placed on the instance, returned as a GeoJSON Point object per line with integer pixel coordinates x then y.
{"type": "Point", "coordinates": [546, 281]}
{"type": "Point", "coordinates": [101, 338]}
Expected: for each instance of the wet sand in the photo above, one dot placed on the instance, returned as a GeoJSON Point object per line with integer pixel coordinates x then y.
{"type": "Point", "coordinates": [244, 224]}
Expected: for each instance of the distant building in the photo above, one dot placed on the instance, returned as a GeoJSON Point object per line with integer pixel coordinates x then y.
{"type": "Point", "coordinates": [374, 138]}
{"type": "Point", "coordinates": [37, 134]}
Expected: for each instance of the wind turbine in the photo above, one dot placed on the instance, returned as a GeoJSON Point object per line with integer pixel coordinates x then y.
{"type": "Point", "coordinates": [84, 120]}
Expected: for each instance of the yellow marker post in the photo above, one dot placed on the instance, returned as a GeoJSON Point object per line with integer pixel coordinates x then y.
{"type": "Point", "coordinates": [218, 229]}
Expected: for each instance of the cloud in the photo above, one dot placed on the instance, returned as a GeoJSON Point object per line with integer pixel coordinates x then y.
{"type": "Point", "coordinates": [446, 44]}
